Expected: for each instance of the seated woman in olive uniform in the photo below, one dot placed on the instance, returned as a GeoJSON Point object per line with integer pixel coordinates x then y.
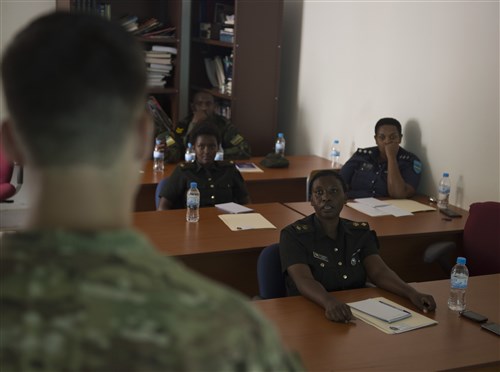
{"type": "Point", "coordinates": [218, 181]}
{"type": "Point", "coordinates": [384, 170]}
{"type": "Point", "coordinates": [323, 253]}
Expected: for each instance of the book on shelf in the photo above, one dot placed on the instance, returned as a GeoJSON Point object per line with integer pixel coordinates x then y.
{"type": "Point", "coordinates": [159, 61]}
{"type": "Point", "coordinates": [162, 32]}
{"type": "Point", "coordinates": [149, 25]}
{"type": "Point", "coordinates": [164, 48]}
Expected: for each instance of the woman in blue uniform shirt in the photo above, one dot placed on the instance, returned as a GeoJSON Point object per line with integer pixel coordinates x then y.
{"type": "Point", "coordinates": [384, 170]}
{"type": "Point", "coordinates": [323, 253]}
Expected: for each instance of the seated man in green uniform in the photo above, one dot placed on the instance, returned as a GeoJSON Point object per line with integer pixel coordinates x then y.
{"type": "Point", "coordinates": [323, 253]}
{"type": "Point", "coordinates": [384, 170]}
{"type": "Point", "coordinates": [218, 181]}
{"type": "Point", "coordinates": [80, 290]}
{"type": "Point", "coordinates": [203, 109]}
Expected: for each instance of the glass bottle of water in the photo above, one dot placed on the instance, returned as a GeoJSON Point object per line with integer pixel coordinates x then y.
{"type": "Point", "coordinates": [444, 191]}
{"type": "Point", "coordinates": [189, 156]}
{"type": "Point", "coordinates": [193, 203]}
{"type": "Point", "coordinates": [279, 147]}
{"type": "Point", "coordinates": [459, 279]}
{"type": "Point", "coordinates": [335, 154]}
{"type": "Point", "coordinates": [158, 157]}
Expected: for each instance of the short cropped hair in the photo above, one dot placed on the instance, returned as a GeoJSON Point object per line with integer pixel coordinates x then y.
{"type": "Point", "coordinates": [326, 173]}
{"type": "Point", "coordinates": [206, 128]}
{"type": "Point", "coordinates": [74, 84]}
{"type": "Point", "coordinates": [389, 121]}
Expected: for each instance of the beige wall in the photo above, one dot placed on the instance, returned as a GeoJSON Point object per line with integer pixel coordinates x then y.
{"type": "Point", "coordinates": [432, 65]}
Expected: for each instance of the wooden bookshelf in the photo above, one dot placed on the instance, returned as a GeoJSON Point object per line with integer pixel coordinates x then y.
{"type": "Point", "coordinates": [256, 50]}
{"type": "Point", "coordinates": [169, 13]}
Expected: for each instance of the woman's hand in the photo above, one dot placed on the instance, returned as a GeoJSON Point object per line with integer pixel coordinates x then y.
{"type": "Point", "coordinates": [337, 311]}
{"type": "Point", "coordinates": [423, 301]}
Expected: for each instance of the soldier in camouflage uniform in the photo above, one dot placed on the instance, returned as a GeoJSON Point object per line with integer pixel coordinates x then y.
{"type": "Point", "coordinates": [203, 109]}
{"type": "Point", "coordinates": [218, 181]}
{"type": "Point", "coordinates": [323, 253]}
{"type": "Point", "coordinates": [79, 289]}
{"type": "Point", "coordinates": [384, 170]}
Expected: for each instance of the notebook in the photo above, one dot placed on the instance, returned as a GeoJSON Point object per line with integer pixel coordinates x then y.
{"type": "Point", "coordinates": [381, 309]}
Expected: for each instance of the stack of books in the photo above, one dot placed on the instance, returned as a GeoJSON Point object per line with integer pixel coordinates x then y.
{"type": "Point", "coordinates": [227, 32]}
{"type": "Point", "coordinates": [159, 62]}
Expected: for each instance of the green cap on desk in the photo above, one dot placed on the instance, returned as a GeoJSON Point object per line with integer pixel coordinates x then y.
{"type": "Point", "coordinates": [273, 160]}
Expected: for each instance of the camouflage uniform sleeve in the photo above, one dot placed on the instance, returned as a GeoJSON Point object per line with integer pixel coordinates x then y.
{"type": "Point", "coordinates": [235, 146]}
{"type": "Point", "coordinates": [176, 149]}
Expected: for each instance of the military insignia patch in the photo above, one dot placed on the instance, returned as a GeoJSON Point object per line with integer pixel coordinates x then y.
{"type": "Point", "coordinates": [417, 166]}
{"type": "Point", "coordinates": [170, 141]}
{"type": "Point", "coordinates": [236, 140]}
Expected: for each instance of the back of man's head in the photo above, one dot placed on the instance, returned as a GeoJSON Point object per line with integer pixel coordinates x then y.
{"type": "Point", "coordinates": [74, 84]}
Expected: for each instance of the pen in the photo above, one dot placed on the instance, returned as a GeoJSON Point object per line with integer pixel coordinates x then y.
{"type": "Point", "coordinates": [395, 307]}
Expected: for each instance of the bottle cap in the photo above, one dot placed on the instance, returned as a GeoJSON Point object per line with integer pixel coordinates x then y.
{"type": "Point", "coordinates": [280, 135]}
{"type": "Point", "coordinates": [194, 185]}
{"type": "Point", "coordinates": [158, 141]}
{"type": "Point", "coordinates": [189, 145]}
{"type": "Point", "coordinates": [336, 141]}
{"type": "Point", "coordinates": [445, 174]}
{"type": "Point", "coordinates": [461, 260]}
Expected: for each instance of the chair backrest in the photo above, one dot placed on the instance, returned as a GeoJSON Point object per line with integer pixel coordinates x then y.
{"type": "Point", "coordinates": [159, 187]}
{"type": "Point", "coordinates": [270, 277]}
{"type": "Point", "coordinates": [7, 189]}
{"type": "Point", "coordinates": [482, 238]}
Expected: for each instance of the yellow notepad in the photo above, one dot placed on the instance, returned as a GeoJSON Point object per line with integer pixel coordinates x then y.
{"type": "Point", "coordinates": [415, 321]}
{"type": "Point", "coordinates": [246, 221]}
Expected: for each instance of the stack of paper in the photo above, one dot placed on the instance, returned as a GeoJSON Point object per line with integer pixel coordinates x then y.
{"type": "Point", "coordinates": [233, 208]}
{"type": "Point", "coordinates": [395, 207]}
{"type": "Point", "coordinates": [389, 316]}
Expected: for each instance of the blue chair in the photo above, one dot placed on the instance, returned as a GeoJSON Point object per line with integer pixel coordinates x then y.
{"type": "Point", "coordinates": [159, 187]}
{"type": "Point", "coordinates": [269, 275]}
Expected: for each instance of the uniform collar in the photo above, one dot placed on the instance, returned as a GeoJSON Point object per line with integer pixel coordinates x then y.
{"type": "Point", "coordinates": [342, 228]}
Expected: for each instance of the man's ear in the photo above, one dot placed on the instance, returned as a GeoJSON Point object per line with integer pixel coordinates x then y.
{"type": "Point", "coordinates": [10, 146]}
{"type": "Point", "coordinates": [144, 136]}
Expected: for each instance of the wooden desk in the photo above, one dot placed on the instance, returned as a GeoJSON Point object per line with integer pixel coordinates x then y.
{"type": "Point", "coordinates": [453, 343]}
{"type": "Point", "coordinates": [404, 239]}
{"type": "Point", "coordinates": [272, 185]}
{"type": "Point", "coordinates": [209, 247]}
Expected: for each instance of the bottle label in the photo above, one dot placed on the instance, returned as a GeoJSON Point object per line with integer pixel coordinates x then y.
{"type": "Point", "coordinates": [158, 155]}
{"type": "Point", "coordinates": [219, 156]}
{"type": "Point", "coordinates": [458, 282]}
{"type": "Point", "coordinates": [193, 202]}
{"type": "Point", "coordinates": [444, 189]}
{"type": "Point", "coordinates": [189, 157]}
{"type": "Point", "coordinates": [279, 147]}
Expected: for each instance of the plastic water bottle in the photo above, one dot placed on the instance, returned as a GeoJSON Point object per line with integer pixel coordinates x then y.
{"type": "Point", "coordinates": [193, 203]}
{"type": "Point", "coordinates": [459, 279]}
{"type": "Point", "coordinates": [279, 148]}
{"type": "Point", "coordinates": [444, 191]}
{"type": "Point", "coordinates": [219, 156]}
{"type": "Point", "coordinates": [189, 156]}
{"type": "Point", "coordinates": [335, 154]}
{"type": "Point", "coordinates": [158, 157]}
